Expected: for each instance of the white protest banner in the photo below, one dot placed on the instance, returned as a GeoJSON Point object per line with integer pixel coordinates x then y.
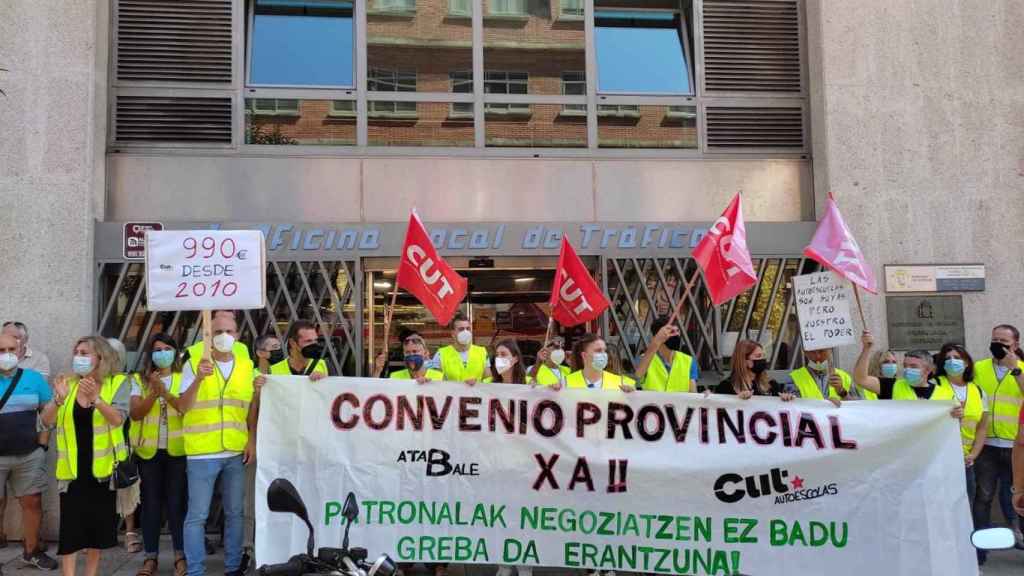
{"type": "Point", "coordinates": [643, 482]}
{"type": "Point", "coordinates": [205, 269]}
{"type": "Point", "coordinates": [823, 307]}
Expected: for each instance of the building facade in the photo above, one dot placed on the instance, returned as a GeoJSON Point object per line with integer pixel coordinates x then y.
{"type": "Point", "coordinates": [625, 124]}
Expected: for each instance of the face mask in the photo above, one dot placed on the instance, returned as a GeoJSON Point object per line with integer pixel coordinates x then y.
{"type": "Point", "coordinates": [502, 364]}
{"type": "Point", "coordinates": [163, 358]}
{"type": "Point", "coordinates": [223, 342]}
{"type": "Point", "coordinates": [599, 360]}
{"type": "Point", "coordinates": [313, 351]}
{"type": "Point", "coordinates": [81, 365]}
{"type": "Point", "coordinates": [465, 337]}
{"type": "Point", "coordinates": [912, 375]}
{"type": "Point", "coordinates": [674, 343]}
{"type": "Point", "coordinates": [998, 350]}
{"type": "Point", "coordinates": [557, 356]}
{"type": "Point", "coordinates": [818, 366]}
{"type": "Point", "coordinates": [414, 362]}
{"type": "Point", "coordinates": [889, 370]}
{"type": "Point", "coordinates": [8, 361]}
{"type": "Point", "coordinates": [276, 356]}
{"type": "Point", "coordinates": [954, 366]}
{"type": "Point", "coordinates": [760, 365]}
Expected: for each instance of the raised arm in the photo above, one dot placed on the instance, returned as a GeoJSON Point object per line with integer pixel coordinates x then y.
{"type": "Point", "coordinates": [860, 371]}
{"type": "Point", "coordinates": [664, 334]}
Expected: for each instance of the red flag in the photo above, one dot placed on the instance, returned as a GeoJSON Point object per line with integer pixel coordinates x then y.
{"type": "Point", "coordinates": [429, 278]}
{"type": "Point", "coordinates": [575, 296]}
{"type": "Point", "coordinates": [723, 256]}
{"type": "Point", "coordinates": [834, 248]}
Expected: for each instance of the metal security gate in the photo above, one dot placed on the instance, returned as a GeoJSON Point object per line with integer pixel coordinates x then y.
{"type": "Point", "coordinates": [323, 292]}
{"type": "Point", "coordinates": [642, 289]}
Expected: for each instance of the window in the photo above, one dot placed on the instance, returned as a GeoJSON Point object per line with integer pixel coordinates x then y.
{"type": "Point", "coordinates": [342, 108]}
{"type": "Point", "coordinates": [273, 106]}
{"type": "Point", "coordinates": [462, 83]}
{"type": "Point", "coordinates": [395, 5]}
{"type": "Point", "coordinates": [301, 43]}
{"type": "Point", "coordinates": [460, 7]}
{"type": "Point", "coordinates": [619, 110]}
{"type": "Point", "coordinates": [379, 80]}
{"type": "Point", "coordinates": [508, 7]}
{"type": "Point", "coordinates": [506, 83]}
{"type": "Point", "coordinates": [641, 52]}
{"type": "Point", "coordinates": [401, 109]}
{"type": "Point", "coordinates": [574, 84]}
{"type": "Point", "coordinates": [570, 9]}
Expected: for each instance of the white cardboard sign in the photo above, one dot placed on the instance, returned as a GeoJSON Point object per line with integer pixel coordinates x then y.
{"type": "Point", "coordinates": [823, 307]}
{"type": "Point", "coordinates": [205, 269]}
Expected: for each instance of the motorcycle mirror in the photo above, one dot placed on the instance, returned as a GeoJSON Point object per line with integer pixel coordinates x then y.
{"type": "Point", "coordinates": [993, 539]}
{"type": "Point", "coordinates": [351, 509]}
{"type": "Point", "coordinates": [283, 497]}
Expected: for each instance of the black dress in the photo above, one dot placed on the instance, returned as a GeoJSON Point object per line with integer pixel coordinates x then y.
{"type": "Point", "coordinates": [726, 387]}
{"type": "Point", "coordinates": [88, 508]}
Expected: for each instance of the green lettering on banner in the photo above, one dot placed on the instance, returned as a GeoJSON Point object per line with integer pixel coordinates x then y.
{"type": "Point", "coordinates": [586, 517]}
{"type": "Point", "coordinates": [702, 531]}
{"type": "Point", "coordinates": [387, 510]}
{"type": "Point", "coordinates": [779, 532]}
{"type": "Point", "coordinates": [331, 509]}
{"type": "Point", "coordinates": [428, 513]}
{"type": "Point", "coordinates": [369, 505]}
{"type": "Point", "coordinates": [571, 555]}
{"type": "Point", "coordinates": [528, 518]}
{"type": "Point", "coordinates": [738, 530]}
{"type": "Point", "coordinates": [498, 515]}
{"type": "Point", "coordinates": [406, 548]}
{"type": "Point", "coordinates": [627, 559]}
{"type": "Point", "coordinates": [547, 519]}
{"type": "Point", "coordinates": [406, 512]}
{"type": "Point", "coordinates": [631, 527]}
{"type": "Point", "coordinates": [445, 515]}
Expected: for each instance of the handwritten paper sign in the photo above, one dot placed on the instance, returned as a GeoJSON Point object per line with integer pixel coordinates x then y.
{"type": "Point", "coordinates": [205, 269]}
{"type": "Point", "coordinates": [823, 307]}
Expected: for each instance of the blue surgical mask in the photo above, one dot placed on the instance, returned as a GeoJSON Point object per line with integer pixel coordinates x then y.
{"type": "Point", "coordinates": [163, 358]}
{"type": "Point", "coordinates": [599, 361]}
{"type": "Point", "coordinates": [889, 370]}
{"type": "Point", "coordinates": [954, 366]}
{"type": "Point", "coordinates": [912, 375]}
{"type": "Point", "coordinates": [81, 365]}
{"type": "Point", "coordinates": [414, 362]}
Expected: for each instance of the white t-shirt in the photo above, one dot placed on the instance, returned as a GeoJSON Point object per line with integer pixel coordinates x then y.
{"type": "Point", "coordinates": [225, 371]}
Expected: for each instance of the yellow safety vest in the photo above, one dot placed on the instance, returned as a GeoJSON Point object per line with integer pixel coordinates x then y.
{"type": "Point", "coordinates": [609, 381]}
{"type": "Point", "coordinates": [973, 409]}
{"type": "Point", "coordinates": [217, 420]}
{"type": "Point", "coordinates": [282, 368]}
{"type": "Point", "coordinates": [433, 375]}
{"type": "Point", "coordinates": [808, 386]}
{"type": "Point", "coordinates": [490, 380]}
{"type": "Point", "coordinates": [658, 379]}
{"type": "Point", "coordinates": [195, 353]}
{"type": "Point", "coordinates": [456, 371]}
{"type": "Point", "coordinates": [107, 441]}
{"type": "Point", "coordinates": [145, 434]}
{"type": "Point", "coordinates": [867, 394]}
{"type": "Point", "coordinates": [547, 377]}
{"type": "Point", "coordinates": [1005, 397]}
{"type": "Point", "coordinates": [902, 390]}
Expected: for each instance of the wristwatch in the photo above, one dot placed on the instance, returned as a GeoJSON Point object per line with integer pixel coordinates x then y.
{"type": "Point", "coordinates": [1016, 371]}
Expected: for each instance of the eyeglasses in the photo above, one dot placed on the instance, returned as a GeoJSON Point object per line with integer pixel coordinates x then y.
{"type": "Point", "coordinates": [15, 324]}
{"type": "Point", "coordinates": [413, 340]}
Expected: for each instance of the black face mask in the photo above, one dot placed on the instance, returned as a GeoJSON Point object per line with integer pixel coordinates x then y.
{"type": "Point", "coordinates": [998, 350]}
{"type": "Point", "coordinates": [760, 365]}
{"type": "Point", "coordinates": [674, 343]}
{"type": "Point", "coordinates": [313, 351]}
{"type": "Point", "coordinates": [276, 356]}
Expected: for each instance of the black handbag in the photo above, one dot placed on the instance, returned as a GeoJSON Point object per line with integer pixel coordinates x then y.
{"type": "Point", "coordinates": [126, 472]}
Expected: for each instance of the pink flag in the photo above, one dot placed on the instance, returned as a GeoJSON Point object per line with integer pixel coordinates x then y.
{"type": "Point", "coordinates": [834, 248]}
{"type": "Point", "coordinates": [722, 254]}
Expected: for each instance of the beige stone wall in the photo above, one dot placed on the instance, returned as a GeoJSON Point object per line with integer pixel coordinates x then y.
{"type": "Point", "coordinates": [51, 174]}
{"type": "Point", "coordinates": [918, 127]}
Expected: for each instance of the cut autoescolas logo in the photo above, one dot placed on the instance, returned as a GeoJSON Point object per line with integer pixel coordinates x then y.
{"type": "Point", "coordinates": [732, 487]}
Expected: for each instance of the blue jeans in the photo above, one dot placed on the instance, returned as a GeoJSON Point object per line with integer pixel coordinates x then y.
{"type": "Point", "coordinates": [202, 475]}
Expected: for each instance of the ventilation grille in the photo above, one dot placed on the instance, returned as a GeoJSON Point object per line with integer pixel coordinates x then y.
{"type": "Point", "coordinates": [755, 128]}
{"type": "Point", "coordinates": [174, 40]}
{"type": "Point", "coordinates": [751, 46]}
{"type": "Point", "coordinates": [157, 119]}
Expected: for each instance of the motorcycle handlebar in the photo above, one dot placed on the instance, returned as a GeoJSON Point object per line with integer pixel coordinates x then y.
{"type": "Point", "coordinates": [293, 567]}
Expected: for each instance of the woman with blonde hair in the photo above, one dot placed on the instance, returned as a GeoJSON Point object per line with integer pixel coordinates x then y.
{"type": "Point", "coordinates": [89, 409]}
{"type": "Point", "coordinates": [749, 376]}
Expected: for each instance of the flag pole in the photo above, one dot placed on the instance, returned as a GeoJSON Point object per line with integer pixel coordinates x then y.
{"type": "Point", "coordinates": [551, 325]}
{"type": "Point", "coordinates": [679, 305]}
{"type": "Point", "coordinates": [860, 308]}
{"type": "Point", "coordinates": [389, 312]}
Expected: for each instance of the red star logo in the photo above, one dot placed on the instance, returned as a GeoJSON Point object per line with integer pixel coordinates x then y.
{"type": "Point", "coordinates": [798, 483]}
